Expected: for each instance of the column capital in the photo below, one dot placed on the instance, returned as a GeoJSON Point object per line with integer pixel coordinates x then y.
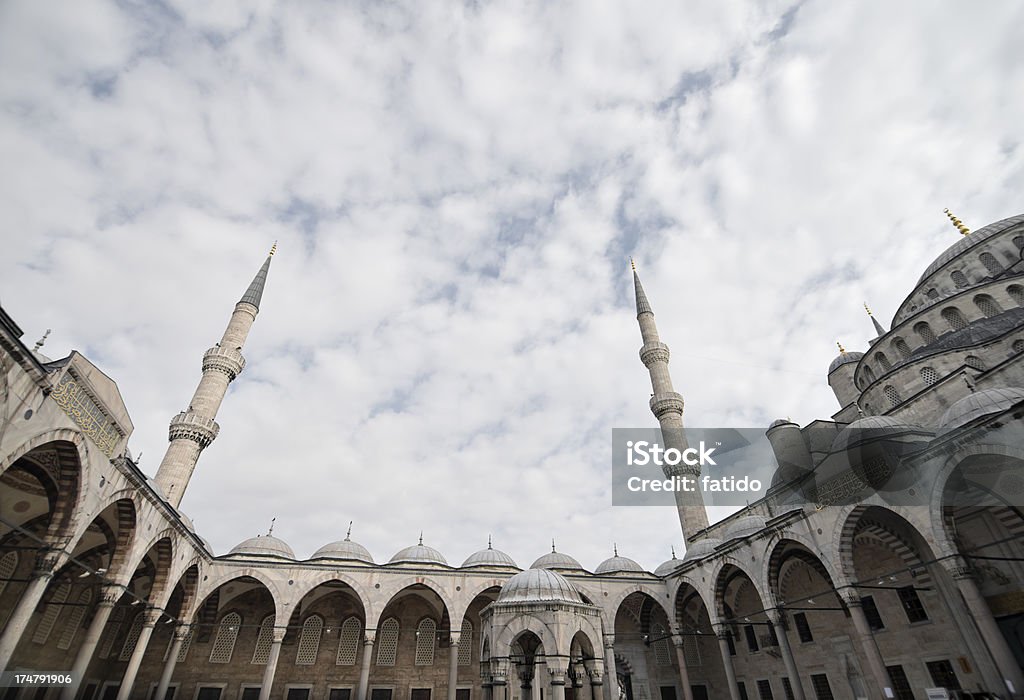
{"type": "Point", "coordinates": [181, 631]}
{"type": "Point", "coordinates": [369, 637]}
{"type": "Point", "coordinates": [453, 639]}
{"type": "Point", "coordinates": [110, 593]}
{"type": "Point", "coordinates": [151, 617]}
{"type": "Point", "coordinates": [722, 631]}
{"type": "Point", "coordinates": [48, 560]}
{"type": "Point", "coordinates": [850, 597]}
{"type": "Point", "coordinates": [959, 569]}
{"type": "Point", "coordinates": [279, 634]}
{"type": "Point", "coordinates": [609, 641]}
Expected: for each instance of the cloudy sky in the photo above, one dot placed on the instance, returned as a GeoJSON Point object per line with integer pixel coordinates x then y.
{"type": "Point", "coordinates": [448, 338]}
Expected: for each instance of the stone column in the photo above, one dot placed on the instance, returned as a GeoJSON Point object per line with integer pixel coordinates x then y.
{"type": "Point", "coordinates": [498, 687]}
{"type": "Point", "coordinates": [576, 674]}
{"type": "Point", "coordinates": [684, 673]}
{"type": "Point", "coordinates": [364, 670]}
{"type": "Point", "coordinates": [453, 664]}
{"type": "Point", "coordinates": [132, 670]}
{"type": "Point", "coordinates": [778, 621]}
{"type": "Point", "coordinates": [271, 669]}
{"type": "Point", "coordinates": [730, 672]}
{"type": "Point", "coordinates": [180, 632]}
{"type": "Point", "coordinates": [109, 595]}
{"type": "Point", "coordinates": [48, 561]}
{"type": "Point", "coordinates": [866, 639]}
{"type": "Point", "coordinates": [596, 680]}
{"type": "Point", "coordinates": [1006, 664]}
{"type": "Point", "coordinates": [557, 674]}
{"type": "Point", "coordinates": [611, 682]}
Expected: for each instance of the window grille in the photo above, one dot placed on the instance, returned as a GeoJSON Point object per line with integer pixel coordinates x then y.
{"type": "Point", "coordinates": [958, 279]}
{"type": "Point", "coordinates": [954, 318]}
{"type": "Point", "coordinates": [933, 293]}
{"type": "Point", "coordinates": [990, 263]}
{"type": "Point", "coordinates": [309, 641]}
{"type": "Point", "coordinates": [227, 634]}
{"type": "Point", "coordinates": [891, 394]}
{"type": "Point", "coordinates": [49, 618]}
{"type": "Point", "coordinates": [264, 641]}
{"type": "Point", "coordinates": [8, 565]}
{"type": "Point", "coordinates": [987, 305]}
{"type": "Point", "coordinates": [869, 375]}
{"type": "Point", "coordinates": [925, 332]}
{"type": "Point", "coordinates": [822, 690]}
{"type": "Point", "coordinates": [929, 375]}
{"type": "Point", "coordinates": [975, 362]}
{"type": "Point", "coordinates": [883, 362]}
{"type": "Point", "coordinates": [466, 644]}
{"type": "Point", "coordinates": [110, 633]}
{"type": "Point", "coordinates": [901, 347]}
{"type": "Point", "coordinates": [387, 644]}
{"type": "Point", "coordinates": [1018, 346]}
{"type": "Point", "coordinates": [185, 644]}
{"type": "Point", "coordinates": [764, 689]}
{"type": "Point", "coordinates": [912, 604]}
{"type": "Point", "coordinates": [132, 639]}
{"type": "Point", "coordinates": [426, 635]}
{"type": "Point", "coordinates": [348, 642]}
{"type": "Point", "coordinates": [661, 653]}
{"type": "Point", "coordinates": [1016, 293]}
{"type": "Point", "coordinates": [900, 684]}
{"type": "Point", "coordinates": [75, 620]}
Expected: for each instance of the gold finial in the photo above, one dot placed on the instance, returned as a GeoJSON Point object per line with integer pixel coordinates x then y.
{"type": "Point", "coordinates": [867, 309]}
{"type": "Point", "coordinates": [957, 223]}
{"type": "Point", "coordinates": [348, 535]}
{"type": "Point", "coordinates": [273, 249]}
{"type": "Point", "coordinates": [841, 348]}
{"type": "Point", "coordinates": [632, 263]}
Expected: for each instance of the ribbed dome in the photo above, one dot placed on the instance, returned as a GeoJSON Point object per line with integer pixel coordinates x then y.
{"type": "Point", "coordinates": [844, 358]}
{"type": "Point", "coordinates": [419, 554]}
{"type": "Point", "coordinates": [969, 241]}
{"type": "Point", "coordinates": [344, 549]}
{"type": "Point", "coordinates": [978, 404]}
{"type": "Point", "coordinates": [538, 585]}
{"type": "Point", "coordinates": [557, 560]}
{"type": "Point", "coordinates": [669, 566]}
{"type": "Point", "coordinates": [871, 428]}
{"type": "Point", "coordinates": [745, 526]}
{"type": "Point", "coordinates": [264, 546]}
{"type": "Point", "coordinates": [489, 557]}
{"type": "Point", "coordinates": [618, 564]}
{"type": "Point", "coordinates": [701, 548]}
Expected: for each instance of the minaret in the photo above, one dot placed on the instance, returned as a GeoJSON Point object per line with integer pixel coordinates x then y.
{"type": "Point", "coordinates": [194, 429]}
{"type": "Point", "coordinates": [667, 407]}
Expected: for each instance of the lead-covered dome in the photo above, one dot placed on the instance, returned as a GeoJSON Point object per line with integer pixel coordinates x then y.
{"type": "Point", "coordinates": [978, 404]}
{"type": "Point", "coordinates": [557, 560]}
{"type": "Point", "coordinates": [669, 566]}
{"type": "Point", "coordinates": [616, 564]}
{"type": "Point", "coordinates": [968, 242]}
{"type": "Point", "coordinates": [538, 585]}
{"type": "Point", "coordinates": [419, 554]}
{"type": "Point", "coordinates": [745, 526]}
{"type": "Point", "coordinates": [264, 546]}
{"type": "Point", "coordinates": [871, 428]}
{"type": "Point", "coordinates": [844, 358]}
{"type": "Point", "coordinates": [701, 548]}
{"type": "Point", "coordinates": [344, 549]}
{"type": "Point", "coordinates": [489, 557]}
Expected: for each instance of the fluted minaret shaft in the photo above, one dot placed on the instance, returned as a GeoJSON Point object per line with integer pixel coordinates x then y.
{"type": "Point", "coordinates": [667, 407]}
{"type": "Point", "coordinates": [193, 430]}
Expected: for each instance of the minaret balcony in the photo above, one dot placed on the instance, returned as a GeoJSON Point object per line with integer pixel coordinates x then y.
{"type": "Point", "coordinates": [667, 402]}
{"type": "Point", "coordinates": [226, 360]}
{"type": "Point", "coordinates": [652, 353]}
{"type": "Point", "coordinates": [188, 425]}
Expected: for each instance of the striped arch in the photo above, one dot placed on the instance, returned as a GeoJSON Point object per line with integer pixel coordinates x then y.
{"type": "Point", "coordinates": [189, 582]}
{"type": "Point", "coordinates": [861, 528]}
{"type": "Point", "coordinates": [783, 563]}
{"type": "Point", "coordinates": [387, 594]}
{"type": "Point", "coordinates": [656, 594]}
{"type": "Point", "coordinates": [209, 587]}
{"type": "Point", "coordinates": [163, 544]}
{"type": "Point", "coordinates": [304, 588]}
{"type": "Point", "coordinates": [125, 513]}
{"type": "Point", "coordinates": [721, 576]}
{"type": "Point", "coordinates": [519, 625]}
{"type": "Point", "coordinates": [470, 592]}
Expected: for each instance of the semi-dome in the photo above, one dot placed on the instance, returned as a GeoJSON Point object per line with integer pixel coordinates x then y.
{"type": "Point", "coordinates": [489, 557]}
{"type": "Point", "coordinates": [264, 546]}
{"type": "Point", "coordinates": [669, 566]}
{"type": "Point", "coordinates": [557, 560]}
{"type": "Point", "coordinates": [538, 585]}
{"type": "Point", "coordinates": [744, 527]}
{"type": "Point", "coordinates": [871, 428]}
{"type": "Point", "coordinates": [344, 549]}
{"type": "Point", "coordinates": [978, 404]}
{"type": "Point", "coordinates": [617, 564]}
{"type": "Point", "coordinates": [969, 241]}
{"type": "Point", "coordinates": [701, 548]}
{"type": "Point", "coordinates": [844, 358]}
{"type": "Point", "coordinates": [419, 554]}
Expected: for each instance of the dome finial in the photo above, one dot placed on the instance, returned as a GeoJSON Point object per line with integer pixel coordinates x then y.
{"type": "Point", "coordinates": [840, 346]}
{"type": "Point", "coordinates": [552, 545]}
{"type": "Point", "coordinates": [957, 223]}
{"type": "Point", "coordinates": [348, 535]}
{"type": "Point", "coordinates": [271, 530]}
{"type": "Point", "coordinates": [878, 326]}
{"type": "Point", "coordinates": [421, 537]}
{"type": "Point", "coordinates": [273, 249]}
{"type": "Point", "coordinates": [41, 341]}
{"type": "Point", "coordinates": [615, 549]}
{"type": "Point", "coordinates": [489, 542]}
{"type": "Point", "coordinates": [673, 551]}
{"type": "Point", "coordinates": [632, 263]}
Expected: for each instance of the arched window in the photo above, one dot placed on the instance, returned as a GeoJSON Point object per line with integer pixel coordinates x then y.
{"type": "Point", "coordinates": [925, 332]}
{"type": "Point", "coordinates": [466, 644]}
{"type": "Point", "coordinates": [990, 263]}
{"type": "Point", "coordinates": [1016, 293]}
{"type": "Point", "coordinates": [958, 279]}
{"type": "Point", "coordinates": [660, 643]}
{"type": "Point", "coordinates": [869, 375]}
{"type": "Point", "coordinates": [264, 641]}
{"type": "Point", "coordinates": [110, 633]}
{"type": "Point", "coordinates": [387, 643]}
{"type": "Point", "coordinates": [8, 565]}
{"type": "Point", "coordinates": [348, 642]}
{"type": "Point", "coordinates": [954, 318]}
{"type": "Point", "coordinates": [75, 620]}
{"type": "Point", "coordinates": [1019, 242]}
{"type": "Point", "coordinates": [426, 635]}
{"type": "Point", "coordinates": [933, 293]}
{"type": "Point", "coordinates": [309, 641]}
{"type": "Point", "coordinates": [975, 362]}
{"type": "Point", "coordinates": [891, 394]}
{"type": "Point", "coordinates": [227, 634]}
{"type": "Point", "coordinates": [49, 618]}
{"type": "Point", "coordinates": [883, 362]}
{"type": "Point", "coordinates": [929, 375]}
{"type": "Point", "coordinates": [1018, 346]}
{"type": "Point", "coordinates": [132, 639]}
{"type": "Point", "coordinates": [987, 305]}
{"type": "Point", "coordinates": [901, 347]}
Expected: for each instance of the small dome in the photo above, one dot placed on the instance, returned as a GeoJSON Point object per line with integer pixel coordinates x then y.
{"type": "Point", "coordinates": [978, 404]}
{"type": "Point", "coordinates": [344, 549]}
{"type": "Point", "coordinates": [264, 546]}
{"type": "Point", "coordinates": [871, 428]}
{"type": "Point", "coordinates": [669, 566]}
{"type": "Point", "coordinates": [744, 527]}
{"type": "Point", "coordinates": [419, 554]}
{"type": "Point", "coordinates": [844, 358]}
{"type": "Point", "coordinates": [538, 585]}
{"type": "Point", "coordinates": [701, 548]}
{"type": "Point", "coordinates": [489, 557]}
{"type": "Point", "coordinates": [617, 564]}
{"type": "Point", "coordinates": [557, 560]}
{"type": "Point", "coordinates": [782, 421]}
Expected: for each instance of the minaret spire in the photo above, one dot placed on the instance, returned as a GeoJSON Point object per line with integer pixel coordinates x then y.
{"type": "Point", "coordinates": [878, 326]}
{"type": "Point", "coordinates": [667, 406]}
{"type": "Point", "coordinates": [195, 428]}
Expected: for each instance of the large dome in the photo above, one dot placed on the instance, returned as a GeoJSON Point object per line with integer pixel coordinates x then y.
{"type": "Point", "coordinates": [538, 585]}
{"type": "Point", "coordinates": [489, 557]}
{"type": "Point", "coordinates": [419, 554]}
{"type": "Point", "coordinates": [969, 241]}
{"type": "Point", "coordinates": [978, 404]}
{"type": "Point", "coordinates": [844, 358]}
{"type": "Point", "coordinates": [871, 428]}
{"type": "Point", "coordinates": [264, 546]}
{"type": "Point", "coordinates": [617, 564]}
{"type": "Point", "coordinates": [557, 560]}
{"type": "Point", "coordinates": [344, 549]}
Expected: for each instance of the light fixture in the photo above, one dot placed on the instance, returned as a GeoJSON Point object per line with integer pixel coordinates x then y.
{"type": "Point", "coordinates": [136, 601]}
{"type": "Point", "coordinates": [810, 601]}
{"type": "Point", "coordinates": [84, 574]}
